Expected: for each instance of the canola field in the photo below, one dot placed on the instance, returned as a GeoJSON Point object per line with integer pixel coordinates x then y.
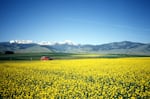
{"type": "Point", "coordinates": [119, 78]}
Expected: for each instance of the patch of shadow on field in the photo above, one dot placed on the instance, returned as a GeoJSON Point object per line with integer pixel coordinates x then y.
{"type": "Point", "coordinates": [2, 97]}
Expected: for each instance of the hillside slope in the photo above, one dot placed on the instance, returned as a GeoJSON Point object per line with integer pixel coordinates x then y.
{"type": "Point", "coordinates": [124, 47]}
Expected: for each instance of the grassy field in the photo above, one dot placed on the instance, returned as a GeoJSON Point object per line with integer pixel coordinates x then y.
{"type": "Point", "coordinates": [37, 56]}
{"type": "Point", "coordinates": [118, 78]}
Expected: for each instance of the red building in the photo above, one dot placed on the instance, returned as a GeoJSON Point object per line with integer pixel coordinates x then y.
{"type": "Point", "coordinates": [44, 58]}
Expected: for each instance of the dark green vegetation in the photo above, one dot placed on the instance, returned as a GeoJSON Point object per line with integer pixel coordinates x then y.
{"type": "Point", "coordinates": [37, 56]}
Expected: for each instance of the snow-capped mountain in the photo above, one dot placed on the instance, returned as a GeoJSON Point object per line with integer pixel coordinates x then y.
{"type": "Point", "coordinates": [68, 42]}
{"type": "Point", "coordinates": [67, 46]}
{"type": "Point", "coordinates": [21, 41]}
{"type": "Point", "coordinates": [45, 43]}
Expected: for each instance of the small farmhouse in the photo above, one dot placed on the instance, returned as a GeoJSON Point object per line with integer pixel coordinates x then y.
{"type": "Point", "coordinates": [46, 58]}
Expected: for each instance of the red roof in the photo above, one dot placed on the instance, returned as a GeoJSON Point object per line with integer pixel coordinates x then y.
{"type": "Point", "coordinates": [44, 58]}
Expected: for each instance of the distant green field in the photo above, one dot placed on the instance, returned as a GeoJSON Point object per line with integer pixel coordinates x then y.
{"type": "Point", "coordinates": [36, 56]}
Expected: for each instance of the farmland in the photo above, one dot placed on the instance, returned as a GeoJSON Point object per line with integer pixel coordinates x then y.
{"type": "Point", "coordinates": [37, 56]}
{"type": "Point", "coordinates": [76, 79]}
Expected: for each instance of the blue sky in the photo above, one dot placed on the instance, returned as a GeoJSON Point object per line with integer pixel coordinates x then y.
{"type": "Point", "coordinates": [82, 21]}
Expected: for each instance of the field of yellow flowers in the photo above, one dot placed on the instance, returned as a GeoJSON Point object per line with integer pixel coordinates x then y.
{"type": "Point", "coordinates": [118, 78]}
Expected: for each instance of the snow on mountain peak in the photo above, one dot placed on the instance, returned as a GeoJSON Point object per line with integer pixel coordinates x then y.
{"type": "Point", "coordinates": [21, 41]}
{"type": "Point", "coordinates": [45, 43]}
{"type": "Point", "coordinates": [69, 42]}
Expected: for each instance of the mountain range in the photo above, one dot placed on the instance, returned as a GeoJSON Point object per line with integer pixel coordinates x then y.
{"type": "Point", "coordinates": [123, 47]}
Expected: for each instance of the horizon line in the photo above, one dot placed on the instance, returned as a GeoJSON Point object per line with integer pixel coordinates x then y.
{"type": "Point", "coordinates": [69, 41]}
